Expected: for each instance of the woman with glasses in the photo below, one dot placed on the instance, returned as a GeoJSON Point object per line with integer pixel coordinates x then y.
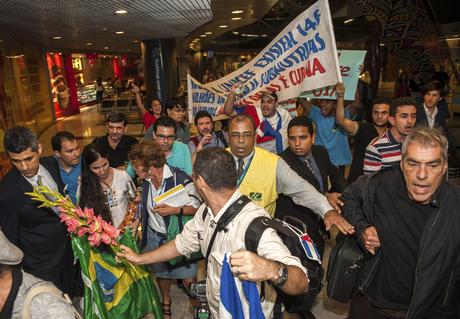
{"type": "Point", "coordinates": [105, 189]}
{"type": "Point", "coordinates": [178, 112]}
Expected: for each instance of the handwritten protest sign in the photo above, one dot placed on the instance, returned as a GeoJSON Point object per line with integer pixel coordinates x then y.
{"type": "Point", "coordinates": [301, 58]}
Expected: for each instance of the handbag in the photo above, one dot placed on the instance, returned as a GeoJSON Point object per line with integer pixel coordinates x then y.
{"type": "Point", "coordinates": [345, 262]}
{"type": "Point", "coordinates": [175, 226]}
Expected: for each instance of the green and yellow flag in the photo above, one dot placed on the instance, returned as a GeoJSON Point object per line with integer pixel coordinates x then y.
{"type": "Point", "coordinates": [114, 290]}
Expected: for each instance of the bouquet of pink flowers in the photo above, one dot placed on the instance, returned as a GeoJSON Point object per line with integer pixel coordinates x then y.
{"type": "Point", "coordinates": [81, 222]}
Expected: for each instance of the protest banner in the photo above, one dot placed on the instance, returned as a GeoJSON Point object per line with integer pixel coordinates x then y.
{"type": "Point", "coordinates": [351, 62]}
{"type": "Point", "coordinates": [301, 58]}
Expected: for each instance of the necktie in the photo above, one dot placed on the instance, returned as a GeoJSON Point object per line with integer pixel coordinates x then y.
{"type": "Point", "coordinates": [314, 172]}
{"type": "Point", "coordinates": [39, 180]}
{"type": "Point", "coordinates": [239, 170]}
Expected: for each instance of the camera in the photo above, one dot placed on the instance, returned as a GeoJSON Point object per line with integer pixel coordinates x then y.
{"type": "Point", "coordinates": [198, 291]}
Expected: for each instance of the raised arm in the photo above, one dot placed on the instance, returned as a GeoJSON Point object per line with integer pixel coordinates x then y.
{"type": "Point", "coordinates": [306, 105]}
{"type": "Point", "coordinates": [139, 103]}
{"type": "Point", "coordinates": [350, 126]}
{"type": "Point", "coordinates": [228, 106]}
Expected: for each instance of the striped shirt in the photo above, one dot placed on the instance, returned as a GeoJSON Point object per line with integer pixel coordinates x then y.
{"type": "Point", "coordinates": [382, 152]}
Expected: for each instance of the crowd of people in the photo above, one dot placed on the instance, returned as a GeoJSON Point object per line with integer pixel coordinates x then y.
{"type": "Point", "coordinates": [394, 198]}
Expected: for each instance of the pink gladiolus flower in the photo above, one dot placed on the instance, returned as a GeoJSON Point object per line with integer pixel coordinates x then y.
{"type": "Point", "coordinates": [64, 217]}
{"type": "Point", "coordinates": [82, 231]}
{"type": "Point", "coordinates": [88, 213]}
{"type": "Point", "coordinates": [95, 225]}
{"type": "Point", "coordinates": [106, 239]}
{"type": "Point", "coordinates": [111, 230]}
{"type": "Point", "coordinates": [94, 239]}
{"type": "Point", "coordinates": [72, 224]}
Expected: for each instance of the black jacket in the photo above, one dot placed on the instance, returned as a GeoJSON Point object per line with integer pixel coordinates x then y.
{"type": "Point", "coordinates": [436, 292]}
{"type": "Point", "coordinates": [285, 205]}
{"type": "Point", "coordinates": [37, 231]}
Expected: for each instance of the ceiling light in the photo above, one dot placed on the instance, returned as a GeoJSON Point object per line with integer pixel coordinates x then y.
{"type": "Point", "coordinates": [208, 32]}
{"type": "Point", "coordinates": [106, 48]}
{"type": "Point", "coordinates": [237, 18]}
{"type": "Point", "coordinates": [104, 29]}
{"type": "Point", "coordinates": [60, 53]}
{"type": "Point", "coordinates": [136, 41]}
{"type": "Point", "coordinates": [348, 21]}
{"type": "Point", "coordinates": [223, 26]}
{"type": "Point", "coordinates": [264, 35]}
{"type": "Point", "coordinates": [89, 43]}
{"type": "Point", "coordinates": [57, 38]}
{"type": "Point", "coordinates": [235, 32]}
{"type": "Point", "coordinates": [196, 39]}
{"type": "Point", "coordinates": [121, 11]}
{"type": "Point", "coordinates": [237, 11]}
{"type": "Point", "coordinates": [203, 35]}
{"type": "Point", "coordinates": [119, 32]}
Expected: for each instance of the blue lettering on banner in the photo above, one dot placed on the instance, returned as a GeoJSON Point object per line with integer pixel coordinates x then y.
{"type": "Point", "coordinates": [210, 109]}
{"type": "Point", "coordinates": [284, 44]}
{"type": "Point", "coordinates": [243, 77]}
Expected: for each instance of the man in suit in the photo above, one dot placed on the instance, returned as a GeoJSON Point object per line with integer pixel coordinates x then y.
{"type": "Point", "coordinates": [36, 231]}
{"type": "Point", "coordinates": [312, 163]}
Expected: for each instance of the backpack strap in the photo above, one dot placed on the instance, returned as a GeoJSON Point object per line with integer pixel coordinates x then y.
{"type": "Point", "coordinates": [42, 289]}
{"type": "Point", "coordinates": [254, 233]}
{"type": "Point", "coordinates": [221, 137]}
{"type": "Point", "coordinates": [231, 212]}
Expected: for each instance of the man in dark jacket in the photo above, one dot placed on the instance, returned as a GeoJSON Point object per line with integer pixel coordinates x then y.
{"type": "Point", "coordinates": [312, 163]}
{"type": "Point", "coordinates": [408, 217]}
{"type": "Point", "coordinates": [37, 231]}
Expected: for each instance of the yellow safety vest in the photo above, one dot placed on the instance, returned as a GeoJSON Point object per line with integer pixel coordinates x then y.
{"type": "Point", "coordinates": [259, 183]}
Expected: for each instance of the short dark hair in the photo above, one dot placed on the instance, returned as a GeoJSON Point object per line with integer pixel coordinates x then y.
{"type": "Point", "coordinates": [117, 117]}
{"type": "Point", "coordinates": [241, 118]}
{"type": "Point", "coordinates": [201, 114]}
{"type": "Point", "coordinates": [381, 100]}
{"type": "Point", "coordinates": [19, 138]}
{"type": "Point", "coordinates": [217, 167]}
{"type": "Point", "coordinates": [433, 86]}
{"type": "Point", "coordinates": [301, 121]}
{"type": "Point", "coordinates": [400, 101]}
{"type": "Point", "coordinates": [173, 103]}
{"type": "Point", "coordinates": [59, 137]}
{"type": "Point", "coordinates": [165, 121]}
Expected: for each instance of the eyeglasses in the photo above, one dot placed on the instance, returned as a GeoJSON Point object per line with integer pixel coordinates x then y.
{"type": "Point", "coordinates": [166, 137]}
{"type": "Point", "coordinates": [244, 135]}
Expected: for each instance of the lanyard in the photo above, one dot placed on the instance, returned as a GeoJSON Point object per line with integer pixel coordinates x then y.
{"type": "Point", "coordinates": [162, 190]}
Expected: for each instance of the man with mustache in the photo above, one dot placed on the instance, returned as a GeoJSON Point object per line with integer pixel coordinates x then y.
{"type": "Point", "coordinates": [407, 216]}
{"type": "Point", "coordinates": [385, 151]}
{"type": "Point", "coordinates": [206, 137]}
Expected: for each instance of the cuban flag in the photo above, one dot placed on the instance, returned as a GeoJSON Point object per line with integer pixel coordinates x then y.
{"type": "Point", "coordinates": [237, 295]}
{"type": "Point", "coordinates": [309, 247]}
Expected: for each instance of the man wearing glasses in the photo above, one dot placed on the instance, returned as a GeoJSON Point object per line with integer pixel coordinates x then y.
{"type": "Point", "coordinates": [177, 153]}
{"type": "Point", "coordinates": [263, 175]}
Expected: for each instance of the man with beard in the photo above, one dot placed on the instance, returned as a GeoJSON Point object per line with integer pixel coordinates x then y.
{"type": "Point", "coordinates": [177, 153]}
{"type": "Point", "coordinates": [410, 213]}
{"type": "Point", "coordinates": [206, 137]}
{"type": "Point", "coordinates": [116, 143]}
{"type": "Point", "coordinates": [67, 153]}
{"type": "Point", "coordinates": [385, 151]}
{"type": "Point", "coordinates": [362, 131]}
{"type": "Point", "coordinates": [271, 122]}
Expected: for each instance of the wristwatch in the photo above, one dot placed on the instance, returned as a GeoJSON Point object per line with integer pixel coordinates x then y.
{"type": "Point", "coordinates": [282, 276]}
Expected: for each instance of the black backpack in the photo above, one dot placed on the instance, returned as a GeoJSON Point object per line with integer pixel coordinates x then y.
{"type": "Point", "coordinates": [299, 304]}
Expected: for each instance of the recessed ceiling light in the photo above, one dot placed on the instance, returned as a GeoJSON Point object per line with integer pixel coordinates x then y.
{"type": "Point", "coordinates": [121, 11]}
{"type": "Point", "coordinates": [237, 11]}
{"type": "Point", "coordinates": [348, 21]}
{"type": "Point", "coordinates": [264, 35]}
{"type": "Point", "coordinates": [104, 29]}
{"type": "Point", "coordinates": [236, 18]}
{"type": "Point", "coordinates": [208, 32]}
{"type": "Point", "coordinates": [136, 41]}
{"type": "Point", "coordinates": [196, 39]}
{"type": "Point", "coordinates": [89, 43]}
{"type": "Point", "coordinates": [106, 48]}
{"type": "Point", "coordinates": [119, 32]}
{"type": "Point", "coordinates": [57, 38]}
{"type": "Point", "coordinates": [223, 26]}
{"type": "Point", "coordinates": [235, 32]}
{"type": "Point", "coordinates": [203, 35]}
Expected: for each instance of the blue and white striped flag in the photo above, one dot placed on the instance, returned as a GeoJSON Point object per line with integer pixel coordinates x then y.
{"type": "Point", "coordinates": [310, 247]}
{"type": "Point", "coordinates": [236, 295]}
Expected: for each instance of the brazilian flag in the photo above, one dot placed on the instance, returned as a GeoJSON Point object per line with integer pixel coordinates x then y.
{"type": "Point", "coordinates": [113, 290]}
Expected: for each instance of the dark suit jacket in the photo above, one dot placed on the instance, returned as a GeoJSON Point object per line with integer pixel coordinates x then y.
{"type": "Point", "coordinates": [285, 206]}
{"type": "Point", "coordinates": [37, 231]}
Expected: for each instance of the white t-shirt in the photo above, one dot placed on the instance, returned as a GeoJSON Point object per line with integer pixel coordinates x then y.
{"type": "Point", "coordinates": [117, 196]}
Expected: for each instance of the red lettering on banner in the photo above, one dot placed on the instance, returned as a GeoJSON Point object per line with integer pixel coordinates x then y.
{"type": "Point", "coordinates": [297, 76]}
{"type": "Point", "coordinates": [283, 79]}
{"type": "Point", "coordinates": [344, 70]}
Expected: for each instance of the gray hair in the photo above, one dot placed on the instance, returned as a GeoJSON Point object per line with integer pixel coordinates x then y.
{"type": "Point", "coordinates": [428, 137]}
